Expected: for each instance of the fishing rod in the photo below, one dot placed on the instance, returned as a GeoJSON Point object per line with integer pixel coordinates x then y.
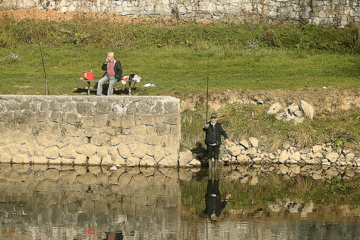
{"type": "Point", "coordinates": [47, 90]}
{"type": "Point", "coordinates": [3, 89]}
{"type": "Point", "coordinates": [207, 92]}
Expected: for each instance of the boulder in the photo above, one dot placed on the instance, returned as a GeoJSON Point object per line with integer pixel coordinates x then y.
{"type": "Point", "coordinates": [275, 108]}
{"type": "Point", "coordinates": [332, 157]}
{"type": "Point", "coordinates": [284, 156]}
{"type": "Point", "coordinates": [283, 169]}
{"type": "Point", "coordinates": [350, 157]}
{"type": "Point", "coordinates": [244, 144]}
{"type": "Point", "coordinates": [234, 150]}
{"type": "Point", "coordinates": [307, 109]}
{"type": "Point", "coordinates": [316, 148]}
{"type": "Point", "coordinates": [254, 142]}
{"type": "Point", "coordinates": [185, 157]}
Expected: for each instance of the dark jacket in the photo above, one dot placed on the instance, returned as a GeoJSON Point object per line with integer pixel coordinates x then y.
{"type": "Point", "coordinates": [117, 69]}
{"type": "Point", "coordinates": [214, 204]}
{"type": "Point", "coordinates": [212, 138]}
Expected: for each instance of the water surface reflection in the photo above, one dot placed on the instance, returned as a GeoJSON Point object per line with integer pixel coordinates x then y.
{"type": "Point", "coordinates": [53, 202]}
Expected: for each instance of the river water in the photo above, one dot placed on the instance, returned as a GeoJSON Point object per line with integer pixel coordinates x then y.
{"type": "Point", "coordinates": [273, 202]}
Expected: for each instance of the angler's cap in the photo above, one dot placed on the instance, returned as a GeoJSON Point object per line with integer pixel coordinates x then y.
{"type": "Point", "coordinates": [213, 115]}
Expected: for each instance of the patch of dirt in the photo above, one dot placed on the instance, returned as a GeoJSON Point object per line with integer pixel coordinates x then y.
{"type": "Point", "coordinates": [318, 98]}
{"type": "Point", "coordinates": [51, 15]}
{"type": "Point", "coordinates": [17, 86]}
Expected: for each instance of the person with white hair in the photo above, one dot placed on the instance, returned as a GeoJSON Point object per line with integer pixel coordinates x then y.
{"type": "Point", "coordinates": [113, 74]}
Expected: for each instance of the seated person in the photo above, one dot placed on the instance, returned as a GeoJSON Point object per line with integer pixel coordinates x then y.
{"type": "Point", "coordinates": [113, 74]}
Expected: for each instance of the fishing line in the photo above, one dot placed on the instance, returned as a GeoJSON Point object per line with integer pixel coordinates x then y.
{"type": "Point", "coordinates": [47, 90]}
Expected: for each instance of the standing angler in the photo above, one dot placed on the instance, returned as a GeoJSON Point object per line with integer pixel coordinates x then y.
{"type": "Point", "coordinates": [214, 130]}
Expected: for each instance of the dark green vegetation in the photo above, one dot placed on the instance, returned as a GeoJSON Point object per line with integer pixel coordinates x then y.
{"type": "Point", "coordinates": [273, 188]}
{"type": "Point", "coordinates": [340, 128]}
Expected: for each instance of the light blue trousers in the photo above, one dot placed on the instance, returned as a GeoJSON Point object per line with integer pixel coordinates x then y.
{"type": "Point", "coordinates": [103, 80]}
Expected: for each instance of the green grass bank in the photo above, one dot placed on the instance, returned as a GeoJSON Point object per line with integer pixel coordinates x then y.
{"type": "Point", "coordinates": [180, 57]}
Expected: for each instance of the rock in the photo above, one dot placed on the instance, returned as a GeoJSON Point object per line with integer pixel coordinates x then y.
{"type": "Point", "coordinates": [244, 144]}
{"type": "Point", "coordinates": [244, 180]}
{"type": "Point", "coordinates": [243, 159]}
{"type": "Point", "coordinates": [332, 157]}
{"type": "Point", "coordinates": [171, 160]}
{"type": "Point", "coordinates": [147, 161]}
{"type": "Point", "coordinates": [316, 176]}
{"type": "Point", "coordinates": [234, 150]}
{"type": "Point", "coordinates": [254, 142]}
{"type": "Point", "coordinates": [350, 157]}
{"type": "Point", "coordinates": [284, 156]}
{"type": "Point", "coordinates": [286, 145]}
{"type": "Point", "coordinates": [94, 160]}
{"type": "Point", "coordinates": [132, 161]}
{"type": "Point", "coordinates": [325, 162]}
{"type": "Point", "coordinates": [194, 162]}
{"type": "Point", "coordinates": [185, 174]}
{"type": "Point", "coordinates": [257, 160]}
{"type": "Point", "coordinates": [185, 157]}
{"type": "Point", "coordinates": [275, 207]}
{"type": "Point", "coordinates": [275, 108]}
{"type": "Point", "coordinates": [316, 149]}
{"type": "Point", "coordinates": [51, 152]}
{"type": "Point", "coordinates": [254, 180]}
{"type": "Point", "coordinates": [307, 109]}
{"type": "Point", "coordinates": [295, 156]}
{"type": "Point", "coordinates": [251, 152]}
{"type": "Point", "coordinates": [113, 168]}
{"type": "Point", "coordinates": [295, 169]}
{"type": "Point", "coordinates": [124, 151]}
{"type": "Point", "coordinates": [283, 169]}
{"type": "Point", "coordinates": [233, 176]}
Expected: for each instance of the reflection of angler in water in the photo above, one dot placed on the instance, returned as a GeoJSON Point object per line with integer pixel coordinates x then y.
{"type": "Point", "coordinates": [114, 236]}
{"type": "Point", "coordinates": [214, 205]}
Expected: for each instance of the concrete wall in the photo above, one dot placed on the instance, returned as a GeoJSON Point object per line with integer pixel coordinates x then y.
{"type": "Point", "coordinates": [336, 13]}
{"type": "Point", "coordinates": [90, 130]}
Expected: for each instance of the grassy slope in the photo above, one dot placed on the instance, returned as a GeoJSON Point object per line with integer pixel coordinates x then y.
{"type": "Point", "coordinates": [182, 56]}
{"type": "Point", "coordinates": [180, 68]}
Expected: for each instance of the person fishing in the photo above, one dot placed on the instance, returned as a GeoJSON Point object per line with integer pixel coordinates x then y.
{"type": "Point", "coordinates": [214, 130]}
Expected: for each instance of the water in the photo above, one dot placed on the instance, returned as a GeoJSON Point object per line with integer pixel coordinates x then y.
{"type": "Point", "coordinates": [64, 202]}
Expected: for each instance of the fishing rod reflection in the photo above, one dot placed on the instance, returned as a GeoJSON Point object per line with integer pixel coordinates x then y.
{"type": "Point", "coordinates": [215, 205]}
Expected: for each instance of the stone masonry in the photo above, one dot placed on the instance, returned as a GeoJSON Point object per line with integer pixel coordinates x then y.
{"type": "Point", "coordinates": [337, 13]}
{"type": "Point", "coordinates": [91, 130]}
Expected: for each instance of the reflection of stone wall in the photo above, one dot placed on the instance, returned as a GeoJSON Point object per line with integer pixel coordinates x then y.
{"type": "Point", "coordinates": [93, 130]}
{"type": "Point", "coordinates": [333, 13]}
{"type": "Point", "coordinates": [144, 201]}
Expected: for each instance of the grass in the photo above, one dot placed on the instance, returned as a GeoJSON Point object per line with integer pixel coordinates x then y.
{"type": "Point", "coordinates": [178, 68]}
{"type": "Point", "coordinates": [181, 56]}
{"type": "Point", "coordinates": [339, 128]}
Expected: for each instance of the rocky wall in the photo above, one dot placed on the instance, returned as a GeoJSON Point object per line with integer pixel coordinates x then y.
{"type": "Point", "coordinates": [337, 13]}
{"type": "Point", "coordinates": [116, 130]}
{"type": "Point", "coordinates": [62, 202]}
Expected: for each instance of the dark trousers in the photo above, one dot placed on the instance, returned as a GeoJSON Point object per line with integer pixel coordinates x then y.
{"type": "Point", "coordinates": [213, 151]}
{"type": "Point", "coordinates": [213, 188]}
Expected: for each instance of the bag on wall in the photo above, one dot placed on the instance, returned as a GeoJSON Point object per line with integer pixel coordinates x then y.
{"type": "Point", "coordinates": [88, 76]}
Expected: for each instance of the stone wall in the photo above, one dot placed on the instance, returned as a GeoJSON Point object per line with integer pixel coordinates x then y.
{"type": "Point", "coordinates": [41, 199]}
{"type": "Point", "coordinates": [90, 130]}
{"type": "Point", "coordinates": [337, 13]}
